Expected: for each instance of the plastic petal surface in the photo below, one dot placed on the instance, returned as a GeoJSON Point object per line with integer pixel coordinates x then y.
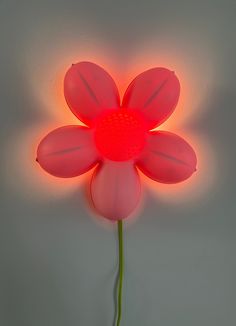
{"type": "Point", "coordinates": [167, 158]}
{"type": "Point", "coordinates": [155, 93]}
{"type": "Point", "coordinates": [89, 90]}
{"type": "Point", "coordinates": [115, 189]}
{"type": "Point", "coordinates": [67, 151]}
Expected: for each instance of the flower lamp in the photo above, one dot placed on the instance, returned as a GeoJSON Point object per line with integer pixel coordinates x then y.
{"type": "Point", "coordinates": [118, 139]}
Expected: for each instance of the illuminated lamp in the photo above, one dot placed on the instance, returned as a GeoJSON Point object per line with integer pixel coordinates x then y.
{"type": "Point", "coordinates": [118, 139]}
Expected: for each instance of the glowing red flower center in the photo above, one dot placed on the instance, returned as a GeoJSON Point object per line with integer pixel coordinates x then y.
{"type": "Point", "coordinates": [120, 135]}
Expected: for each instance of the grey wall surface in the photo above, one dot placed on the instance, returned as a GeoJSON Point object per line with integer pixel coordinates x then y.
{"type": "Point", "coordinates": [58, 262]}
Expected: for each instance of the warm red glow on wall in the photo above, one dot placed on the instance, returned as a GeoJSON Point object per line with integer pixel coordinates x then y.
{"type": "Point", "coordinates": [118, 137]}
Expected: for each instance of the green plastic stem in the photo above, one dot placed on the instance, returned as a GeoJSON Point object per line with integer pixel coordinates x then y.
{"type": "Point", "coordinates": [121, 272]}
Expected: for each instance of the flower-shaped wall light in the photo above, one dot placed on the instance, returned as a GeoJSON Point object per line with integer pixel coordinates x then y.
{"type": "Point", "coordinates": [118, 139]}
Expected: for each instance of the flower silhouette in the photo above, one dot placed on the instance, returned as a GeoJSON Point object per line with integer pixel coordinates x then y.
{"type": "Point", "coordinates": [118, 137]}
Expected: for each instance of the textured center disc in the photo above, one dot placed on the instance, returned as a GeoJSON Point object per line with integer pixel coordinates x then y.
{"type": "Point", "coordinates": [120, 135]}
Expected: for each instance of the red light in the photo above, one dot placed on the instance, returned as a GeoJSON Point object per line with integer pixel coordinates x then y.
{"type": "Point", "coordinates": [120, 135]}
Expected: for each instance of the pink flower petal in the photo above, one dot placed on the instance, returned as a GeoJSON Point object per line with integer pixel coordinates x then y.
{"type": "Point", "coordinates": [89, 90]}
{"type": "Point", "coordinates": [155, 93]}
{"type": "Point", "coordinates": [115, 189]}
{"type": "Point", "coordinates": [167, 158]}
{"type": "Point", "coordinates": [67, 151]}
